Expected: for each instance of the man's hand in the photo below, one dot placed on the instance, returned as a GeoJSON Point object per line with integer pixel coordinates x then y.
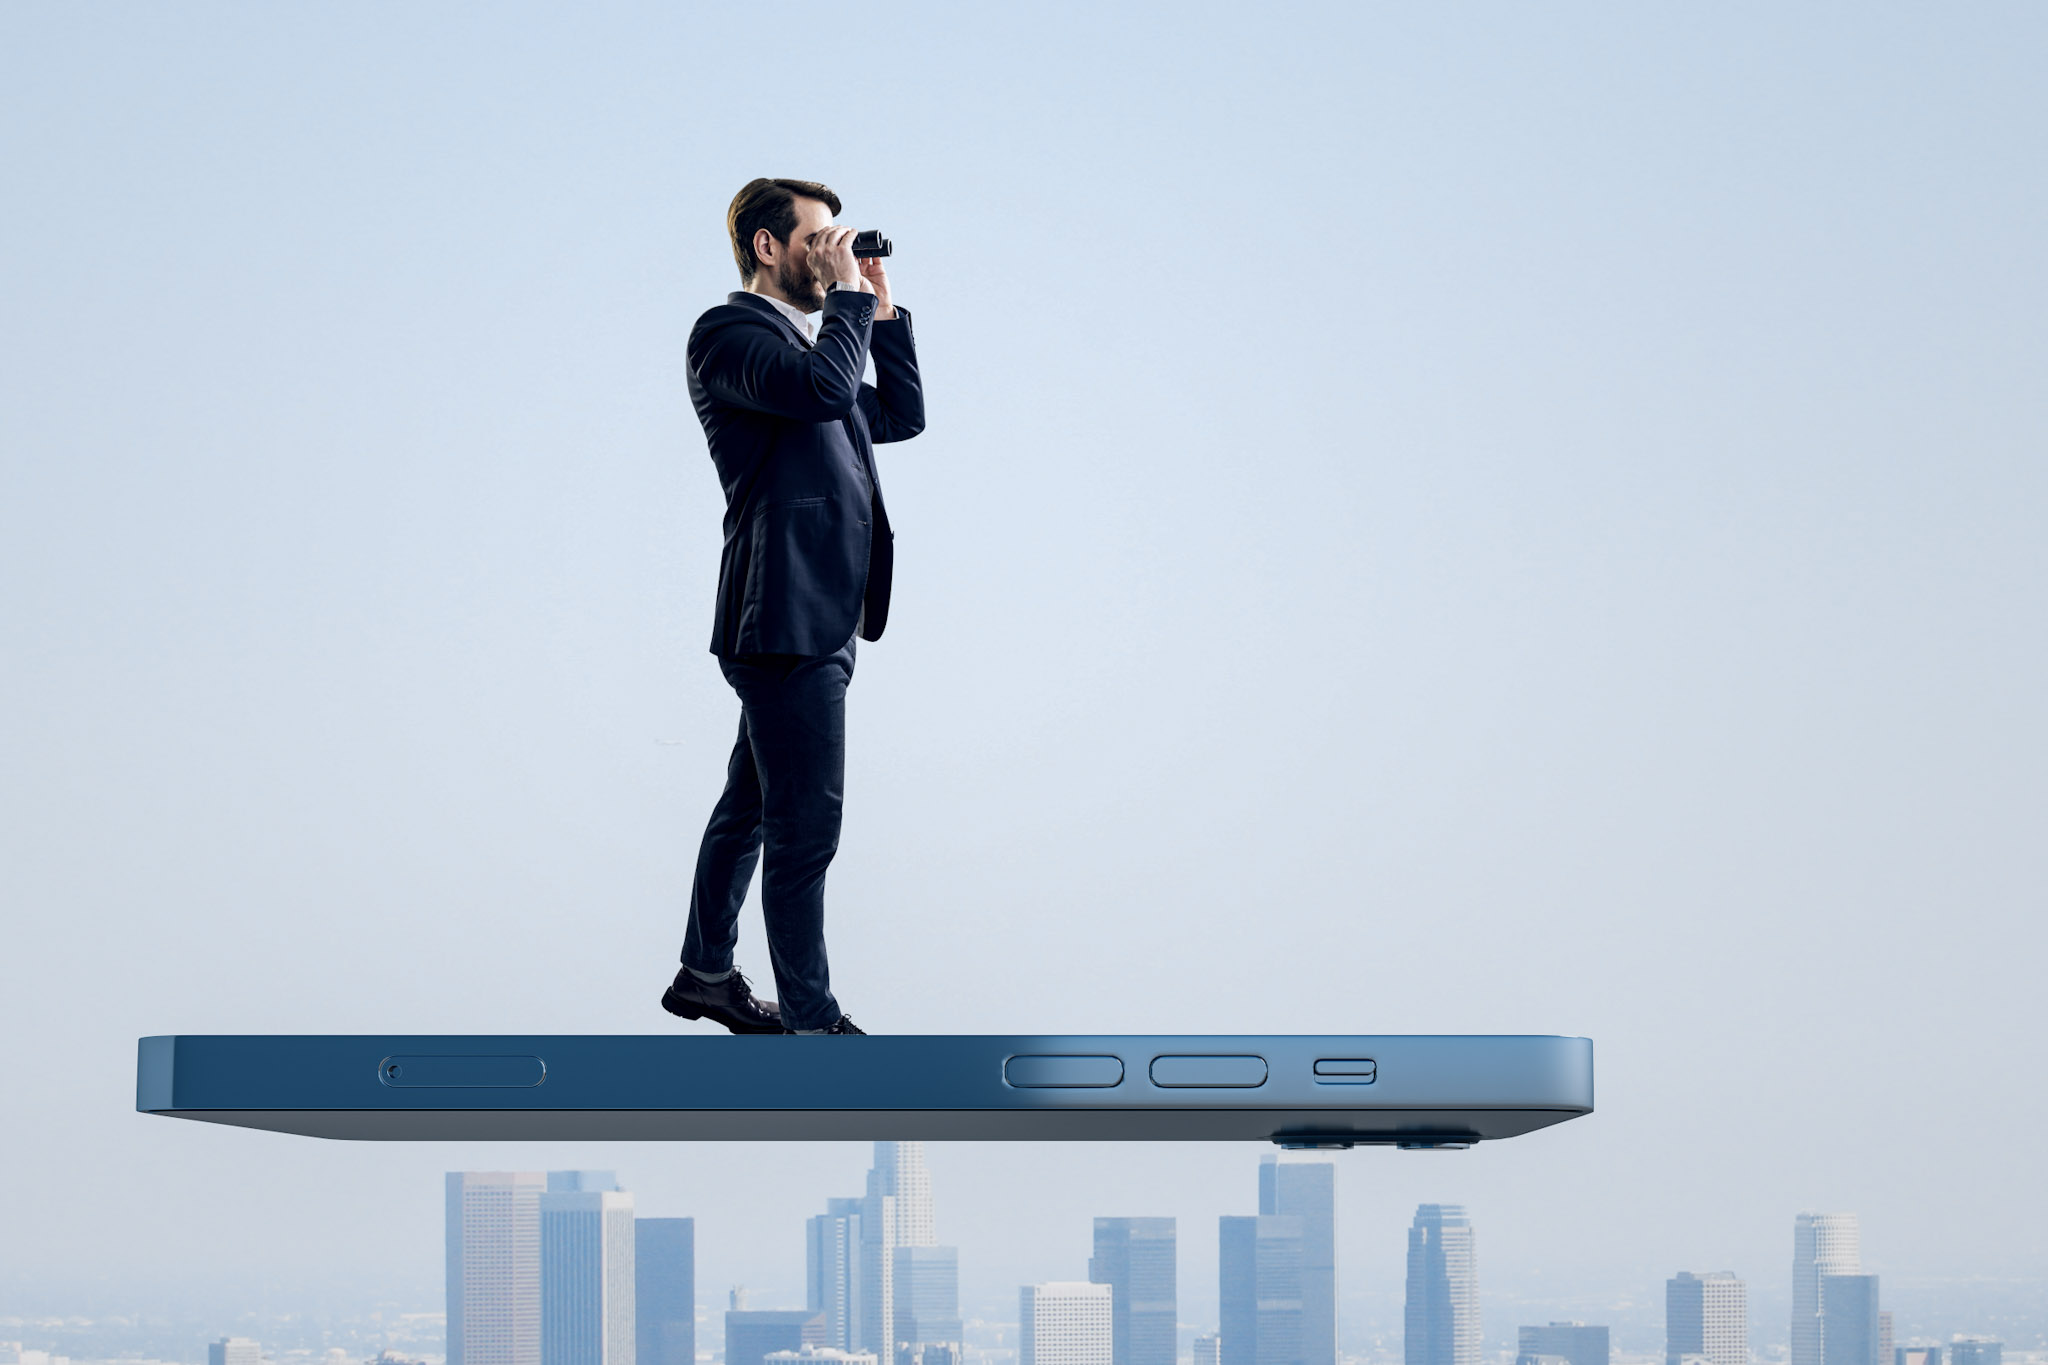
{"type": "Point", "coordinates": [875, 280]}
{"type": "Point", "coordinates": [831, 257]}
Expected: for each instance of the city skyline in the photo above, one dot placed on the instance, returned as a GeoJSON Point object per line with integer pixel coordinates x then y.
{"type": "Point", "coordinates": [564, 1227]}
{"type": "Point", "coordinates": [553, 1226]}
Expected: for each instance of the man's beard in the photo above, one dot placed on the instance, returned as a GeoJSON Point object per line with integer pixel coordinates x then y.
{"type": "Point", "coordinates": [799, 285]}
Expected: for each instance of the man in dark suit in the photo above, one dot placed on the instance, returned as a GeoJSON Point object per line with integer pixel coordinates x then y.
{"type": "Point", "coordinates": [806, 569]}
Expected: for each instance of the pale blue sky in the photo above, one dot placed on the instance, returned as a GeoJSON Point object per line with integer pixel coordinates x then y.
{"type": "Point", "coordinates": [1494, 518]}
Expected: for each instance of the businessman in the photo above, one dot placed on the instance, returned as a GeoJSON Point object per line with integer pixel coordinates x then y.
{"type": "Point", "coordinates": [805, 570]}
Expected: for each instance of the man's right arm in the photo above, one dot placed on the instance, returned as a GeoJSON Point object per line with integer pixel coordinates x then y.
{"type": "Point", "coordinates": [752, 366]}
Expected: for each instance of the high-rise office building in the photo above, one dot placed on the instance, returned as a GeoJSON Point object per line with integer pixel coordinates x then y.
{"type": "Point", "coordinates": [1884, 1338]}
{"type": "Point", "coordinates": [1258, 1289]}
{"type": "Point", "coordinates": [832, 1271]}
{"type": "Point", "coordinates": [926, 1289]}
{"type": "Point", "coordinates": [1441, 1318]}
{"type": "Point", "coordinates": [234, 1351]}
{"type": "Point", "coordinates": [896, 1212]}
{"type": "Point", "coordinates": [1308, 1191]}
{"type": "Point", "coordinates": [1850, 1331]}
{"type": "Point", "coordinates": [1708, 1316]}
{"type": "Point", "coordinates": [1063, 1323]}
{"type": "Point", "coordinates": [751, 1335]}
{"type": "Point", "coordinates": [1137, 1259]}
{"type": "Point", "coordinates": [587, 1314]}
{"type": "Point", "coordinates": [1571, 1342]}
{"type": "Point", "coordinates": [1823, 1244]}
{"type": "Point", "coordinates": [665, 1291]}
{"type": "Point", "coordinates": [1209, 1349]}
{"type": "Point", "coordinates": [819, 1355]}
{"type": "Point", "coordinates": [1976, 1351]}
{"type": "Point", "coordinates": [493, 1267]}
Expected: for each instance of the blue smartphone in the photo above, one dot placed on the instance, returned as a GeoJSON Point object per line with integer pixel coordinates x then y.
{"type": "Point", "coordinates": [1429, 1091]}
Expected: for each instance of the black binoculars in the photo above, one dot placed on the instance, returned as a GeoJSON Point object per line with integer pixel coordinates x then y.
{"type": "Point", "coordinates": [871, 243]}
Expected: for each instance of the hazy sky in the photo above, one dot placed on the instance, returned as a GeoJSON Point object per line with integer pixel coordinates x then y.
{"type": "Point", "coordinates": [1480, 518]}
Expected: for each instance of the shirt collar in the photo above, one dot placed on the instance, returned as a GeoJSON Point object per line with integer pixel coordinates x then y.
{"type": "Point", "coordinates": [797, 317]}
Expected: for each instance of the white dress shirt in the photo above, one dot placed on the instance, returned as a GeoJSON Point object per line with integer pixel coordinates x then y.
{"type": "Point", "coordinates": [797, 317]}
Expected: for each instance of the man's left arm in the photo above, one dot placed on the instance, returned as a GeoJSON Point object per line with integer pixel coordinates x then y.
{"type": "Point", "coordinates": [894, 403]}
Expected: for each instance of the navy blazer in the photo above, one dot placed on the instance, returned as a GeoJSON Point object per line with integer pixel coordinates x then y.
{"type": "Point", "coordinates": [792, 429]}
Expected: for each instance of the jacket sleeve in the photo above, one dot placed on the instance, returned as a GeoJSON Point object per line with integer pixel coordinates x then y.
{"type": "Point", "coordinates": [894, 405]}
{"type": "Point", "coordinates": [751, 366]}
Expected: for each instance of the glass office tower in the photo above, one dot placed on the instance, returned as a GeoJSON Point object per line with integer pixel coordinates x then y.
{"type": "Point", "coordinates": [1442, 1312]}
{"type": "Point", "coordinates": [1708, 1316]}
{"type": "Point", "coordinates": [1308, 1190]}
{"type": "Point", "coordinates": [926, 1282]}
{"type": "Point", "coordinates": [1850, 1331]}
{"type": "Point", "coordinates": [1258, 1289]}
{"type": "Point", "coordinates": [896, 1212]}
{"type": "Point", "coordinates": [1136, 1258]}
{"type": "Point", "coordinates": [832, 1271]}
{"type": "Point", "coordinates": [1571, 1342]}
{"type": "Point", "coordinates": [587, 1274]}
{"type": "Point", "coordinates": [751, 1335]}
{"type": "Point", "coordinates": [665, 1291]}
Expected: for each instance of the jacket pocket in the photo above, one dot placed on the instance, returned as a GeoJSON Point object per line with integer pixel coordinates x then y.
{"type": "Point", "coordinates": [804, 562]}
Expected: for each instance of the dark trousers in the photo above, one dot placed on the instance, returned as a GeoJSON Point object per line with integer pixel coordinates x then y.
{"type": "Point", "coordinates": [784, 787]}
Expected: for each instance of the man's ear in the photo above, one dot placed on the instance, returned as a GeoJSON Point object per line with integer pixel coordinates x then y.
{"type": "Point", "coordinates": [765, 244]}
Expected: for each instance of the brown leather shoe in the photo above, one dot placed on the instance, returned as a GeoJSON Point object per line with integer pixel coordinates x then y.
{"type": "Point", "coordinates": [729, 1002]}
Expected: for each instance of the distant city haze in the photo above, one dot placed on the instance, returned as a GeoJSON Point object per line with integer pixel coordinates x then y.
{"type": "Point", "coordinates": [1491, 518]}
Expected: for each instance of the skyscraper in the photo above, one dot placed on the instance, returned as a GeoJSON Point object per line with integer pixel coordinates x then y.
{"type": "Point", "coordinates": [587, 1274]}
{"type": "Point", "coordinates": [1850, 1331]}
{"type": "Point", "coordinates": [818, 1355]}
{"type": "Point", "coordinates": [1823, 1244]}
{"type": "Point", "coordinates": [1572, 1342]}
{"type": "Point", "coordinates": [926, 1284]}
{"type": "Point", "coordinates": [832, 1271]}
{"type": "Point", "coordinates": [234, 1351]}
{"type": "Point", "coordinates": [1137, 1259]}
{"type": "Point", "coordinates": [751, 1335]}
{"type": "Point", "coordinates": [1706, 1315]}
{"type": "Point", "coordinates": [1209, 1349]}
{"type": "Point", "coordinates": [1308, 1191]}
{"type": "Point", "coordinates": [493, 1267]}
{"type": "Point", "coordinates": [665, 1291]}
{"type": "Point", "coordinates": [897, 1212]}
{"type": "Point", "coordinates": [1063, 1324]}
{"type": "Point", "coordinates": [1442, 1314]}
{"type": "Point", "coordinates": [1976, 1351]}
{"type": "Point", "coordinates": [1258, 1289]}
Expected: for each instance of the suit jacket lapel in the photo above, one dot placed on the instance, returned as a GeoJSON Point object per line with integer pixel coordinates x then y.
{"type": "Point", "coordinates": [771, 313]}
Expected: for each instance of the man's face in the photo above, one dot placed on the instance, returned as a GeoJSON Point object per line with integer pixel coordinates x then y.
{"type": "Point", "coordinates": [792, 269]}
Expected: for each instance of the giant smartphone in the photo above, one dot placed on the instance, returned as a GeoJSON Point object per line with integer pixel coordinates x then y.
{"type": "Point", "coordinates": [1299, 1091]}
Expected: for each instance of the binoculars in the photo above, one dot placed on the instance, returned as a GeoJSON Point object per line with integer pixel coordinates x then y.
{"type": "Point", "coordinates": [871, 243]}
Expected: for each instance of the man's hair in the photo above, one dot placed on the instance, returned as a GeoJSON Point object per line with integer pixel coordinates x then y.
{"type": "Point", "coordinates": [768, 204]}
